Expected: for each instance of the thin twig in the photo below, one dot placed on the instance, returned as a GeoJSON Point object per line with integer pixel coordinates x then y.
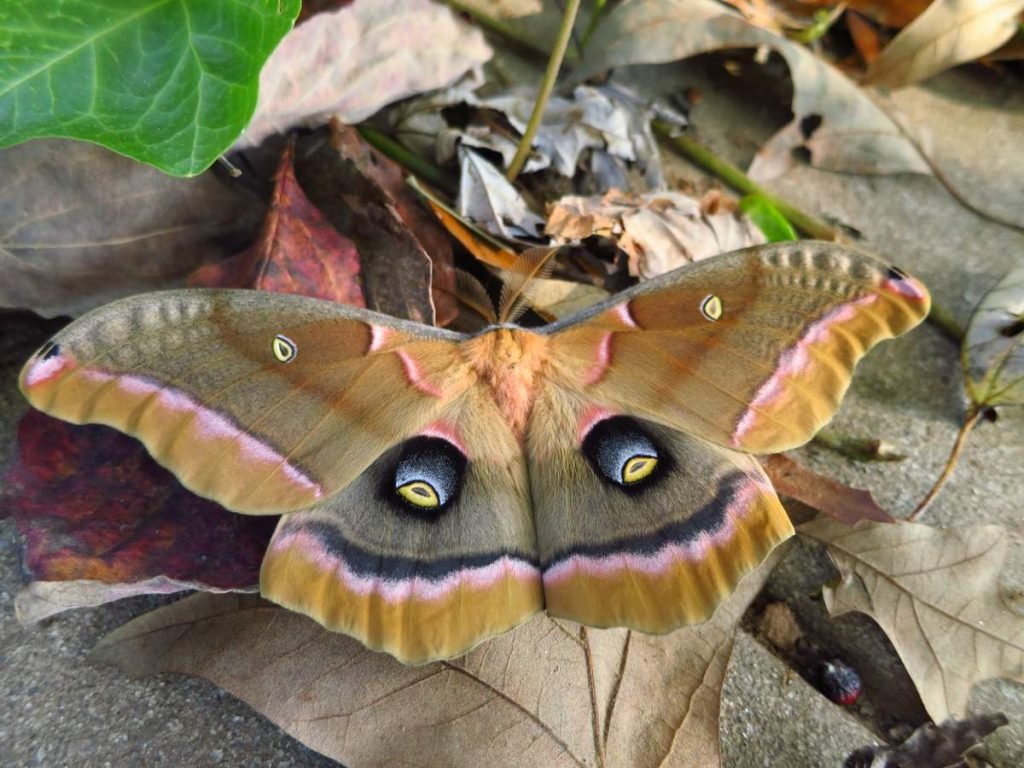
{"type": "Point", "coordinates": [411, 161]}
{"type": "Point", "coordinates": [547, 85]}
{"type": "Point", "coordinates": [970, 421]}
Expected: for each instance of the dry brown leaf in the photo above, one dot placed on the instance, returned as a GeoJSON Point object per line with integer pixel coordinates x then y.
{"type": "Point", "coordinates": [549, 693]}
{"type": "Point", "coordinates": [850, 133]}
{"type": "Point", "coordinates": [351, 62]}
{"type": "Point", "coordinates": [561, 298]}
{"type": "Point", "coordinates": [659, 230]}
{"type": "Point", "coordinates": [83, 226]}
{"type": "Point", "coordinates": [936, 595]}
{"type": "Point", "coordinates": [845, 504]}
{"type": "Point", "coordinates": [950, 32]}
{"type": "Point", "coordinates": [42, 599]}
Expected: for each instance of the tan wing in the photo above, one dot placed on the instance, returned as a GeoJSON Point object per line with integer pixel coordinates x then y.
{"type": "Point", "coordinates": [640, 525]}
{"type": "Point", "coordinates": [428, 552]}
{"type": "Point", "coordinates": [752, 351]}
{"type": "Point", "coordinates": [263, 402]}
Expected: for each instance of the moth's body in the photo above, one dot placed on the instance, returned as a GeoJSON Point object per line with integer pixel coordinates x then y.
{"type": "Point", "coordinates": [438, 489]}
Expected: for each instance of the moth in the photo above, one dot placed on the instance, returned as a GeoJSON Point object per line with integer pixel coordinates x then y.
{"type": "Point", "coordinates": [437, 489]}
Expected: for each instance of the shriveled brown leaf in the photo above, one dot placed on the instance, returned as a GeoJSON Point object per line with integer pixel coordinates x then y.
{"type": "Point", "coordinates": [549, 693]}
{"type": "Point", "coordinates": [660, 231]}
{"type": "Point", "coordinates": [390, 178]}
{"type": "Point", "coordinates": [850, 133]}
{"type": "Point", "coordinates": [930, 746]}
{"type": "Point", "coordinates": [845, 504]}
{"type": "Point", "coordinates": [351, 62]}
{"type": "Point", "coordinates": [397, 268]}
{"type": "Point", "coordinates": [83, 226]}
{"type": "Point", "coordinates": [950, 32]}
{"type": "Point", "coordinates": [936, 595]}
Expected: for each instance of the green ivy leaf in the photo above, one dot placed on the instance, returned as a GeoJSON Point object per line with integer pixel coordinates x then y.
{"type": "Point", "coordinates": [767, 218]}
{"type": "Point", "coordinates": [168, 82]}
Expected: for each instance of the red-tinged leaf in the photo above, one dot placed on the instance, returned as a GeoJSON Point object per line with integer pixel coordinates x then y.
{"type": "Point", "coordinates": [298, 252]}
{"type": "Point", "coordinates": [92, 505]}
{"type": "Point", "coordinates": [841, 502]}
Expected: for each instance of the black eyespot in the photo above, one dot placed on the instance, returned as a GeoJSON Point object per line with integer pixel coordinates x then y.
{"type": "Point", "coordinates": [427, 477]}
{"type": "Point", "coordinates": [49, 350]}
{"type": "Point", "coordinates": [895, 273]}
{"type": "Point", "coordinates": [623, 453]}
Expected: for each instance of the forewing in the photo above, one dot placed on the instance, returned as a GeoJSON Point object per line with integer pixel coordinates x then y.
{"type": "Point", "coordinates": [752, 351]}
{"type": "Point", "coordinates": [419, 582]}
{"type": "Point", "coordinates": [263, 402]}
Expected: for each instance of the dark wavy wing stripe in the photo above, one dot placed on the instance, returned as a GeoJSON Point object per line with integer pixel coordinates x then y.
{"type": "Point", "coordinates": [709, 519]}
{"type": "Point", "coordinates": [390, 567]}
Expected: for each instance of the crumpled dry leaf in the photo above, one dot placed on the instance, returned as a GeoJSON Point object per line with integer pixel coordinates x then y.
{"type": "Point", "coordinates": [936, 595]}
{"type": "Point", "coordinates": [351, 62]}
{"type": "Point", "coordinates": [549, 693]}
{"type": "Point", "coordinates": [659, 231]}
{"type": "Point", "coordinates": [948, 33]}
{"type": "Point", "coordinates": [930, 746]}
{"type": "Point", "coordinates": [609, 121]}
{"type": "Point", "coordinates": [84, 226]}
{"type": "Point", "coordinates": [841, 502]}
{"type": "Point", "coordinates": [993, 348]}
{"type": "Point", "coordinates": [833, 120]}
{"type": "Point", "coordinates": [489, 200]}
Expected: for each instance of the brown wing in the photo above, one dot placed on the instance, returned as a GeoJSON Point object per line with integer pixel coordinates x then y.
{"type": "Point", "coordinates": [263, 402]}
{"type": "Point", "coordinates": [752, 351]}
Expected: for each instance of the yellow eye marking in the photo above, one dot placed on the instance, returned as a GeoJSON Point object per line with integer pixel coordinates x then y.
{"type": "Point", "coordinates": [711, 307]}
{"type": "Point", "coordinates": [420, 494]}
{"type": "Point", "coordinates": [638, 468]}
{"type": "Point", "coordinates": [284, 348]}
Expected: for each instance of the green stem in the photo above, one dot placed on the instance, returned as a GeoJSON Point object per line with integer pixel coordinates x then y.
{"type": "Point", "coordinates": [738, 180]}
{"type": "Point", "coordinates": [547, 85]}
{"type": "Point", "coordinates": [595, 19]}
{"type": "Point", "coordinates": [412, 162]}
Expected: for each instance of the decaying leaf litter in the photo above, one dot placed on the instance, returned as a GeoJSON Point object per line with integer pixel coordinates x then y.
{"type": "Point", "coordinates": [1011, 643]}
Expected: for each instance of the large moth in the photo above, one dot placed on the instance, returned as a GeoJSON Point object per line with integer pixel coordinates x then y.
{"type": "Point", "coordinates": [437, 489]}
